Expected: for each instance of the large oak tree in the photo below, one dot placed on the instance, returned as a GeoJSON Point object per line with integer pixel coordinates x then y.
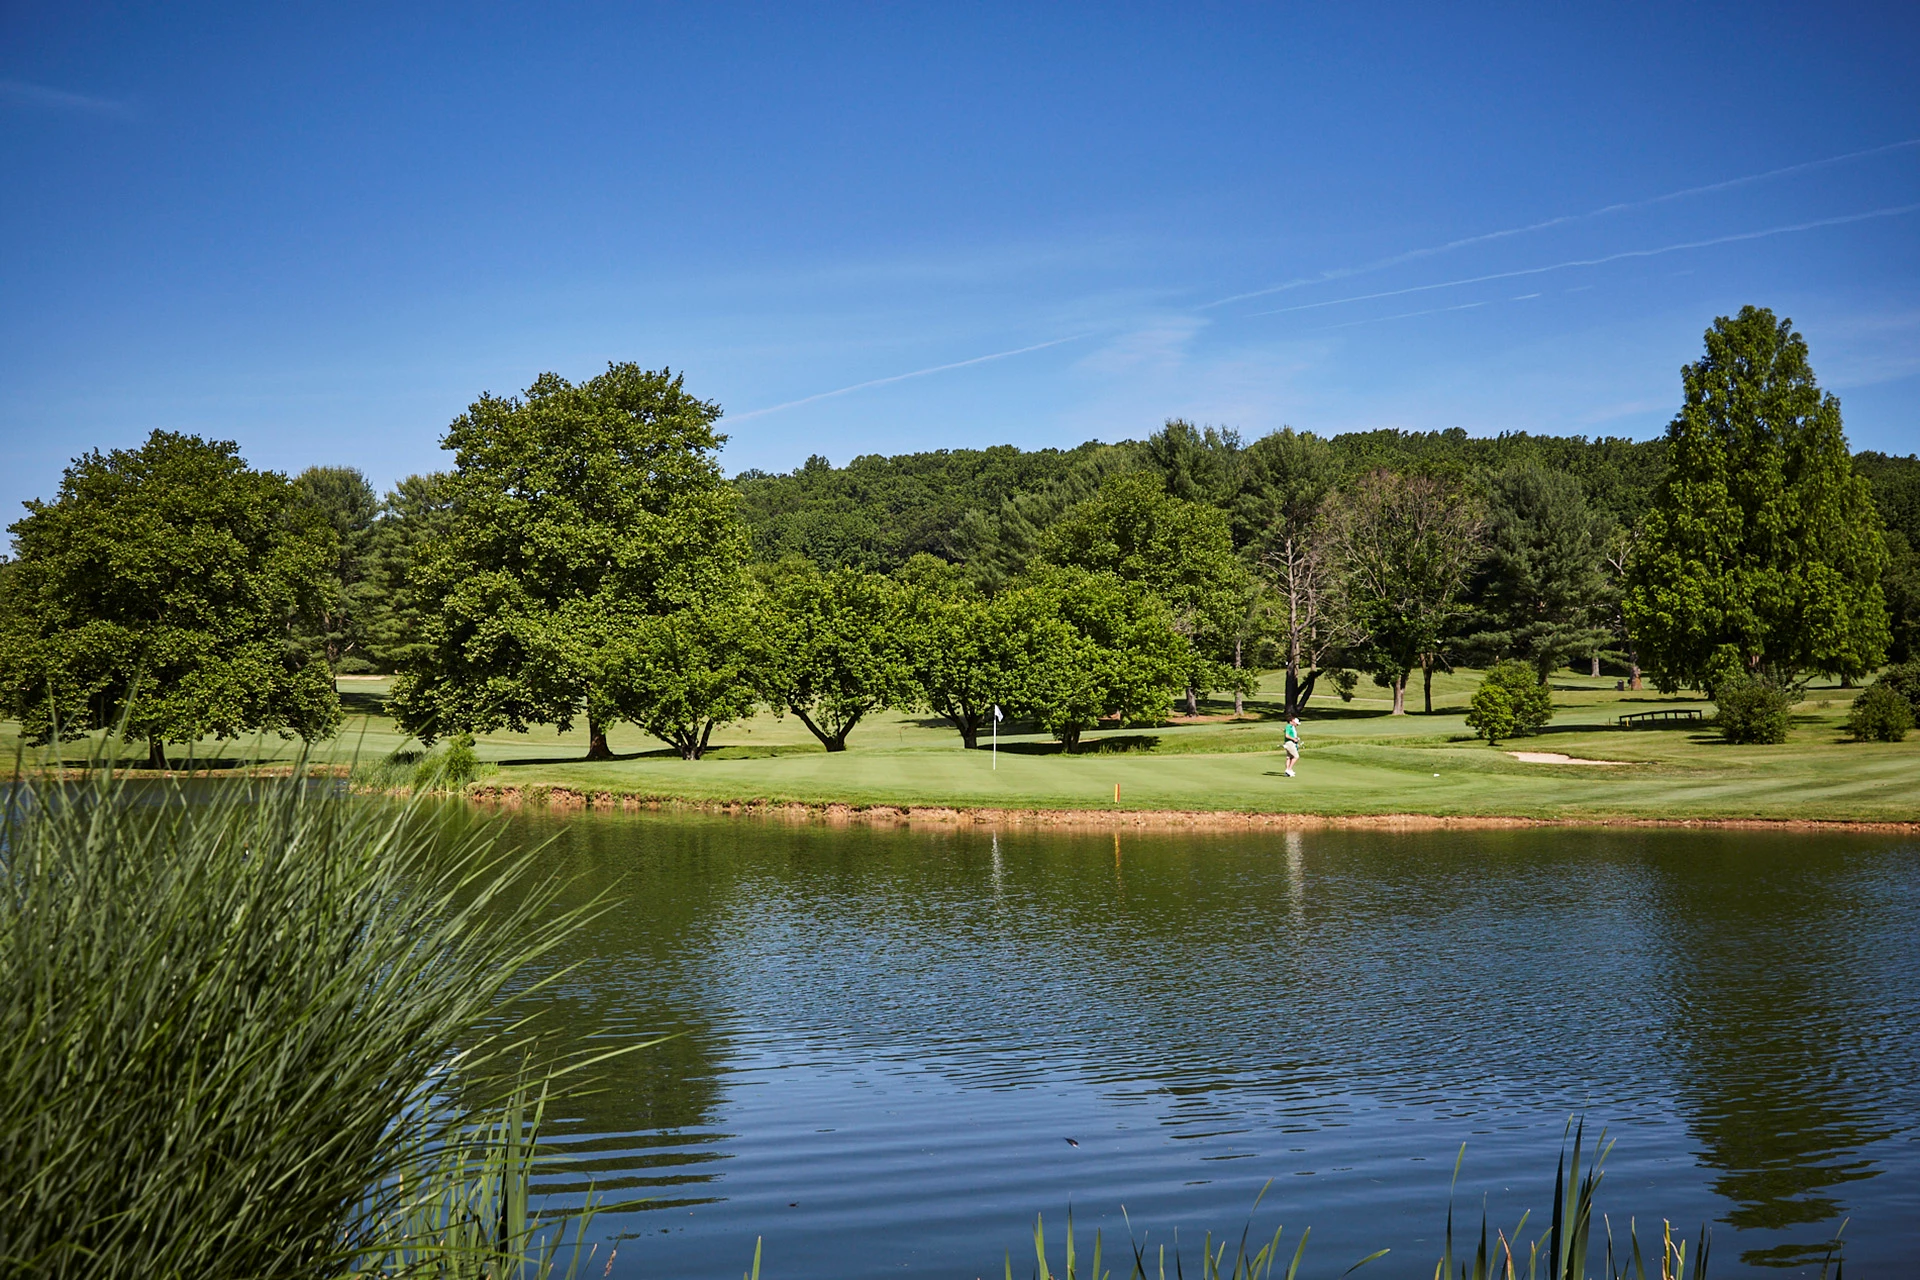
{"type": "Point", "coordinates": [577, 515]}
{"type": "Point", "coordinates": [166, 588]}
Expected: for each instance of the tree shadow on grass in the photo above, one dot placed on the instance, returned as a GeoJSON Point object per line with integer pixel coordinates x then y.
{"type": "Point", "coordinates": [1132, 742]}
{"type": "Point", "coordinates": [363, 704]}
{"type": "Point", "coordinates": [666, 753]}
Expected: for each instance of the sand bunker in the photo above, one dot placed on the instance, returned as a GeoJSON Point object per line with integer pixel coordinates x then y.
{"type": "Point", "coordinates": [1554, 757]}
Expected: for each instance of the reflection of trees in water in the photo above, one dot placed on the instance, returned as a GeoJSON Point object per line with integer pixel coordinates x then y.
{"type": "Point", "coordinates": [641, 1133]}
{"type": "Point", "coordinates": [1262, 981]}
{"type": "Point", "coordinates": [1779, 979]}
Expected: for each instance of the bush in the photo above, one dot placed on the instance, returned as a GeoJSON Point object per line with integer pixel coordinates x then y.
{"type": "Point", "coordinates": [1880, 715]}
{"type": "Point", "coordinates": [1509, 703]}
{"type": "Point", "coordinates": [448, 769]}
{"type": "Point", "coordinates": [1751, 709]}
{"type": "Point", "coordinates": [1905, 681]}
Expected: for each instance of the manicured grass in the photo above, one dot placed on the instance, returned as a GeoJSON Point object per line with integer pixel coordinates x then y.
{"type": "Point", "coordinates": [1358, 760]}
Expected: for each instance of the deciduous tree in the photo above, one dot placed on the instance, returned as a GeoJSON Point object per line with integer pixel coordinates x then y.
{"type": "Point", "coordinates": [1180, 550]}
{"type": "Point", "coordinates": [1291, 476]}
{"type": "Point", "coordinates": [1761, 541]}
{"type": "Point", "coordinates": [1405, 544]}
{"type": "Point", "coordinates": [970, 653]}
{"type": "Point", "coordinates": [576, 514]}
{"type": "Point", "coordinates": [163, 589]}
{"type": "Point", "coordinates": [831, 647]}
{"type": "Point", "coordinates": [683, 674]}
{"type": "Point", "coordinates": [1123, 659]}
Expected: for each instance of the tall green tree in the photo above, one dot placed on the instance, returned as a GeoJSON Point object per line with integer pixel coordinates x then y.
{"type": "Point", "coordinates": [1896, 493]}
{"type": "Point", "coordinates": [165, 587]}
{"type": "Point", "coordinates": [577, 513]}
{"type": "Point", "coordinates": [1123, 658]}
{"type": "Point", "coordinates": [1179, 549]}
{"type": "Point", "coordinates": [971, 653]}
{"type": "Point", "coordinates": [414, 518]}
{"type": "Point", "coordinates": [1281, 518]}
{"type": "Point", "coordinates": [683, 674]}
{"type": "Point", "coordinates": [1762, 545]}
{"type": "Point", "coordinates": [830, 647]}
{"type": "Point", "coordinates": [1405, 545]}
{"type": "Point", "coordinates": [1541, 587]}
{"type": "Point", "coordinates": [1196, 464]}
{"type": "Point", "coordinates": [343, 500]}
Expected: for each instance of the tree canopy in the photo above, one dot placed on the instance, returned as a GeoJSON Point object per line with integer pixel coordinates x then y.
{"type": "Point", "coordinates": [1541, 589]}
{"type": "Point", "coordinates": [166, 587]}
{"type": "Point", "coordinates": [830, 647]}
{"type": "Point", "coordinates": [1762, 545]}
{"type": "Point", "coordinates": [1406, 544]}
{"type": "Point", "coordinates": [576, 513]}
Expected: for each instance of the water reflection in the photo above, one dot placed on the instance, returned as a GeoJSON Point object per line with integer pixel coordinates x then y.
{"type": "Point", "coordinates": [1788, 1015]}
{"type": "Point", "coordinates": [889, 1034]}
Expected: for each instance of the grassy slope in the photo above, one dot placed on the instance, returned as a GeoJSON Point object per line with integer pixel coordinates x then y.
{"type": "Point", "coordinates": [1358, 761]}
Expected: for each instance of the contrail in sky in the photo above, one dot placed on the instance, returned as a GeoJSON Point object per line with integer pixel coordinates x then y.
{"type": "Point", "coordinates": [1415, 254]}
{"type": "Point", "coordinates": [1893, 212]}
{"type": "Point", "coordinates": [901, 377]}
{"type": "Point", "coordinates": [1380, 264]}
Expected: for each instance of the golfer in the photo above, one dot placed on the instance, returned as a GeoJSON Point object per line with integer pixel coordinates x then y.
{"type": "Point", "coordinates": [1292, 744]}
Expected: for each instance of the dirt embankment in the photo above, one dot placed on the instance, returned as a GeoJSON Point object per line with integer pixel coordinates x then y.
{"type": "Point", "coordinates": [566, 798]}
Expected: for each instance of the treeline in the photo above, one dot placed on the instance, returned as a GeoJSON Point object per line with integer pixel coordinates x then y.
{"type": "Point", "coordinates": [585, 560]}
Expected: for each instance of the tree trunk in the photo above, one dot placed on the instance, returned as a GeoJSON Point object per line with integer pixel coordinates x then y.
{"type": "Point", "coordinates": [1633, 671]}
{"type": "Point", "coordinates": [156, 754]}
{"type": "Point", "coordinates": [1193, 701]}
{"type": "Point", "coordinates": [1400, 693]}
{"type": "Point", "coordinates": [1426, 679]}
{"type": "Point", "coordinates": [1596, 666]}
{"type": "Point", "coordinates": [1294, 700]}
{"type": "Point", "coordinates": [969, 727]}
{"type": "Point", "coordinates": [1070, 738]}
{"type": "Point", "coordinates": [831, 741]}
{"type": "Point", "coordinates": [597, 748]}
{"type": "Point", "coordinates": [1239, 706]}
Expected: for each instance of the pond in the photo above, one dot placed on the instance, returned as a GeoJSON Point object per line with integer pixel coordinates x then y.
{"type": "Point", "coordinates": [896, 1047]}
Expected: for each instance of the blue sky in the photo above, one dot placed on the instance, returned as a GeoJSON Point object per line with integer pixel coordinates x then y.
{"type": "Point", "coordinates": [322, 231]}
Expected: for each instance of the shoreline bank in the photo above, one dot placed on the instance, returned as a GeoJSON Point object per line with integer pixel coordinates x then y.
{"type": "Point", "coordinates": [569, 798]}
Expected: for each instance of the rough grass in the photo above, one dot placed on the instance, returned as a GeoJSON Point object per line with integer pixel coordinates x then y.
{"type": "Point", "coordinates": [1358, 761]}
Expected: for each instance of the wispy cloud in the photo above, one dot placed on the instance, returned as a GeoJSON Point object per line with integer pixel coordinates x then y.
{"type": "Point", "coordinates": [1622, 256]}
{"type": "Point", "coordinates": [900, 377]}
{"type": "Point", "coordinates": [46, 97]}
{"type": "Point", "coordinates": [1412, 255]}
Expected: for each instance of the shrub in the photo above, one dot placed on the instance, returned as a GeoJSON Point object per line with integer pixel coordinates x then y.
{"type": "Point", "coordinates": [1751, 709]}
{"type": "Point", "coordinates": [1905, 681]}
{"type": "Point", "coordinates": [242, 1024]}
{"type": "Point", "coordinates": [1880, 715]}
{"type": "Point", "coordinates": [1509, 703]}
{"type": "Point", "coordinates": [448, 769]}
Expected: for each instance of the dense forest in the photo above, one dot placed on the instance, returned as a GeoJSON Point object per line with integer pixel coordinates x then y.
{"type": "Point", "coordinates": [586, 558]}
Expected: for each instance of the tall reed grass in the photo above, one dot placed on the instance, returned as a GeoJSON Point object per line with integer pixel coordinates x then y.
{"type": "Point", "coordinates": [1564, 1252]}
{"type": "Point", "coordinates": [258, 1028]}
